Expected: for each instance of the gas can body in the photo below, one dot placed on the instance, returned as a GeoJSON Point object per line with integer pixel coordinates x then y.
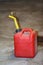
{"type": "Point", "coordinates": [25, 43]}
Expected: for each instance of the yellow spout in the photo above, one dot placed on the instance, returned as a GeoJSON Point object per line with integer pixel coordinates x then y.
{"type": "Point", "coordinates": [15, 21]}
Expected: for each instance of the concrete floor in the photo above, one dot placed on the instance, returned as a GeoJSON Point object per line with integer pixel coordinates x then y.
{"type": "Point", "coordinates": [7, 56]}
{"type": "Point", "coordinates": [30, 15]}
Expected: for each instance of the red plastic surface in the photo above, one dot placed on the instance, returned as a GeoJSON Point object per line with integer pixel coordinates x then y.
{"type": "Point", "coordinates": [25, 43]}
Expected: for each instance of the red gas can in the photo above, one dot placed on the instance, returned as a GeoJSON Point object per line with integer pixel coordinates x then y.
{"type": "Point", "coordinates": [25, 43]}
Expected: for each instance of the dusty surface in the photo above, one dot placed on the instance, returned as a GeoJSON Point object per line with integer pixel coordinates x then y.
{"type": "Point", "coordinates": [7, 55]}
{"type": "Point", "coordinates": [30, 15]}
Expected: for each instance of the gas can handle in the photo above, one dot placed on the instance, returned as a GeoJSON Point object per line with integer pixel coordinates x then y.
{"type": "Point", "coordinates": [27, 30]}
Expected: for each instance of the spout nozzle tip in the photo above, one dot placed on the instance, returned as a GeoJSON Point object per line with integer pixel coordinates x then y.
{"type": "Point", "coordinates": [11, 16]}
